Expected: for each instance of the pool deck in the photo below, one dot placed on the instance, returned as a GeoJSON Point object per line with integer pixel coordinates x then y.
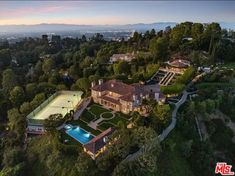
{"type": "Point", "coordinates": [78, 133]}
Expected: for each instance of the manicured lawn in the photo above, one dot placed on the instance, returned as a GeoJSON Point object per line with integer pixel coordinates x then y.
{"type": "Point", "coordinates": [97, 110]}
{"type": "Point", "coordinates": [87, 116]}
{"type": "Point", "coordinates": [84, 126]}
{"type": "Point", "coordinates": [126, 116]}
{"type": "Point", "coordinates": [117, 119]}
{"type": "Point", "coordinates": [71, 141]}
{"type": "Point", "coordinates": [93, 113]}
{"type": "Point", "coordinates": [107, 115]}
{"type": "Point", "coordinates": [105, 125]}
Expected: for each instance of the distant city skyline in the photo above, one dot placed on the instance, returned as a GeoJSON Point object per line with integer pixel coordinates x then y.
{"type": "Point", "coordinates": [114, 12]}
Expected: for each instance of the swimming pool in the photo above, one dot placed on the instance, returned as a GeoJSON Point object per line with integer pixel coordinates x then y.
{"type": "Point", "coordinates": [78, 134]}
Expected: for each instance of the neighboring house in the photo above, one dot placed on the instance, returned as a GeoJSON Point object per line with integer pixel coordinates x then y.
{"type": "Point", "coordinates": [128, 57]}
{"type": "Point", "coordinates": [119, 96]}
{"type": "Point", "coordinates": [98, 144]}
{"type": "Point", "coordinates": [179, 62]}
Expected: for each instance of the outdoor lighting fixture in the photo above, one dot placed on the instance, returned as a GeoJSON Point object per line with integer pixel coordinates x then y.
{"type": "Point", "coordinates": [67, 127]}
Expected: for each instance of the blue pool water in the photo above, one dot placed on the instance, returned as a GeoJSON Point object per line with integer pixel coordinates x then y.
{"type": "Point", "coordinates": [78, 133]}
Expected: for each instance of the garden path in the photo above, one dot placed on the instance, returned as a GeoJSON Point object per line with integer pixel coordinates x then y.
{"type": "Point", "coordinates": [94, 124]}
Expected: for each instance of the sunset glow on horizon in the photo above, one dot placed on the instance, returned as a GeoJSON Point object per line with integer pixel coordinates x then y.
{"type": "Point", "coordinates": [114, 12]}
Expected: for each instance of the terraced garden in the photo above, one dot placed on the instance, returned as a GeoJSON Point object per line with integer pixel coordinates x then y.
{"type": "Point", "coordinates": [107, 115]}
{"type": "Point", "coordinates": [97, 109]}
{"type": "Point", "coordinates": [87, 116]}
{"type": "Point", "coordinates": [95, 112]}
{"type": "Point", "coordinates": [119, 117]}
{"type": "Point", "coordinates": [105, 125]}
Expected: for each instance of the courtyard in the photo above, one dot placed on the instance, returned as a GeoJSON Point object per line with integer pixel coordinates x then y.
{"type": "Point", "coordinates": [96, 119]}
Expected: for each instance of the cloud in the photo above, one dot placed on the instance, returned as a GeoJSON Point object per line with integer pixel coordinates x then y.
{"type": "Point", "coordinates": [70, 20]}
{"type": "Point", "coordinates": [8, 11]}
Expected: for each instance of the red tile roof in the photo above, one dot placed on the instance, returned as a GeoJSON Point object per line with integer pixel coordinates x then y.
{"type": "Point", "coordinates": [179, 62]}
{"type": "Point", "coordinates": [125, 91]}
{"type": "Point", "coordinates": [114, 86]}
{"type": "Point", "coordinates": [98, 142]}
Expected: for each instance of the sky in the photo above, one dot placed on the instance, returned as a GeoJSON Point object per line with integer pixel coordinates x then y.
{"type": "Point", "coordinates": [114, 12]}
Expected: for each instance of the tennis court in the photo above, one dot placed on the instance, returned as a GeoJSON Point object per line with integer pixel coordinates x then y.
{"type": "Point", "coordinates": [61, 102]}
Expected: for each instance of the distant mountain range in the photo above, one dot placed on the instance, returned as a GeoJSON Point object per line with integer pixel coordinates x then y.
{"type": "Point", "coordinates": [83, 28]}
{"type": "Point", "coordinates": [57, 28]}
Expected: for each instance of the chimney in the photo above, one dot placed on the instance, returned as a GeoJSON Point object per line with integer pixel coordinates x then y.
{"type": "Point", "coordinates": [156, 96]}
{"type": "Point", "coordinates": [147, 96]}
{"type": "Point", "coordinates": [134, 97]}
{"type": "Point", "coordinates": [92, 83]}
{"type": "Point", "coordinates": [100, 81]}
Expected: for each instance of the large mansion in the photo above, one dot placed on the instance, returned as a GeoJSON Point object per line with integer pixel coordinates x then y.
{"type": "Point", "coordinates": [119, 96]}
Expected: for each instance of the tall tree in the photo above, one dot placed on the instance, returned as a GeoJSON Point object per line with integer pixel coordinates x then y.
{"type": "Point", "coordinates": [17, 96]}
{"type": "Point", "coordinates": [38, 99]}
{"type": "Point", "coordinates": [83, 84]}
{"type": "Point", "coordinates": [162, 113]}
{"type": "Point", "coordinates": [8, 80]}
{"type": "Point", "coordinates": [25, 108]}
{"type": "Point", "coordinates": [121, 67]}
{"type": "Point", "coordinates": [5, 58]}
{"type": "Point", "coordinates": [85, 165]}
{"type": "Point", "coordinates": [159, 47]}
{"type": "Point", "coordinates": [47, 65]}
{"type": "Point", "coordinates": [14, 118]}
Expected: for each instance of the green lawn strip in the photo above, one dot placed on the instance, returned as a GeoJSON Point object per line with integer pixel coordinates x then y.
{"type": "Point", "coordinates": [71, 141]}
{"type": "Point", "coordinates": [87, 116]}
{"type": "Point", "coordinates": [97, 110]}
{"type": "Point", "coordinates": [105, 125]}
{"type": "Point", "coordinates": [84, 125]}
{"type": "Point", "coordinates": [107, 115]}
{"type": "Point", "coordinates": [125, 116]}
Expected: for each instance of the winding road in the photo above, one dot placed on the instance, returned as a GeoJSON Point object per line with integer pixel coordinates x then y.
{"type": "Point", "coordinates": [166, 131]}
{"type": "Point", "coordinates": [173, 122]}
